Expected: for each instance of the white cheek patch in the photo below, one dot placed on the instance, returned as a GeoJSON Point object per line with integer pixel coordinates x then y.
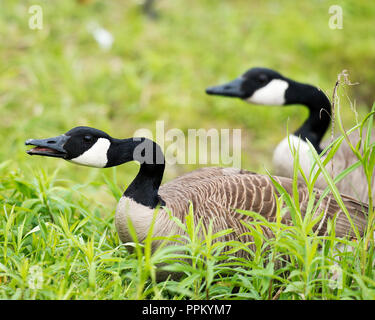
{"type": "Point", "coordinates": [273, 93]}
{"type": "Point", "coordinates": [96, 156]}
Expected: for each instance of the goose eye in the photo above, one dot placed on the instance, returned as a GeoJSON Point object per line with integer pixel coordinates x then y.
{"type": "Point", "coordinates": [262, 78]}
{"type": "Point", "coordinates": [87, 138]}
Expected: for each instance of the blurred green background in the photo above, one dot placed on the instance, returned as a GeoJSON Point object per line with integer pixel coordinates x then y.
{"type": "Point", "coordinates": [157, 69]}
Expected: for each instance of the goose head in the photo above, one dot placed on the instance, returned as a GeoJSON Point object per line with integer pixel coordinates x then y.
{"type": "Point", "coordinates": [94, 148]}
{"type": "Point", "coordinates": [258, 85]}
{"type": "Point", "coordinates": [264, 86]}
{"type": "Point", "coordinates": [82, 145]}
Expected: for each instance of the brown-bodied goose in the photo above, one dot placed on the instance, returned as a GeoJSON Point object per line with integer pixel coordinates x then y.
{"type": "Point", "coordinates": [215, 193]}
{"type": "Point", "coordinates": [267, 87]}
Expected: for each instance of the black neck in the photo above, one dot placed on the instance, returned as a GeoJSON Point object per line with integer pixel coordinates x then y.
{"type": "Point", "coordinates": [319, 107]}
{"type": "Point", "coordinates": [144, 188]}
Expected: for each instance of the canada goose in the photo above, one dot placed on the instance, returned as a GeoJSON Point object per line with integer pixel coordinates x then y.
{"type": "Point", "coordinates": [215, 193]}
{"type": "Point", "coordinates": [267, 87]}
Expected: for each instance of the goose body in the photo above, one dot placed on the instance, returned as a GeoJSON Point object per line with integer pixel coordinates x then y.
{"type": "Point", "coordinates": [243, 190]}
{"type": "Point", "coordinates": [215, 193]}
{"type": "Point", "coordinates": [267, 87]}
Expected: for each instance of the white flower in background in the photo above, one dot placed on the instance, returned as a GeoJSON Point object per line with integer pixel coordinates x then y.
{"type": "Point", "coordinates": [102, 36]}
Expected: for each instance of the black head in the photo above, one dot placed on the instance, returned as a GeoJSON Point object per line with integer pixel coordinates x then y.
{"type": "Point", "coordinates": [267, 87]}
{"type": "Point", "coordinates": [257, 85]}
{"type": "Point", "coordinates": [94, 148]}
{"type": "Point", "coordinates": [82, 145]}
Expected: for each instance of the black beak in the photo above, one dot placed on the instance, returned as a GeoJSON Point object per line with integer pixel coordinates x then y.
{"type": "Point", "coordinates": [230, 89]}
{"type": "Point", "coordinates": [51, 147]}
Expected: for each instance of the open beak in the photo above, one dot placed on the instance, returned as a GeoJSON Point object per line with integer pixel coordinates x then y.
{"type": "Point", "coordinates": [230, 89]}
{"type": "Point", "coordinates": [51, 147]}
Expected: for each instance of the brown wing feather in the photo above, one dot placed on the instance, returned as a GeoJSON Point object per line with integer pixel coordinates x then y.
{"type": "Point", "coordinates": [216, 198]}
{"type": "Point", "coordinates": [202, 173]}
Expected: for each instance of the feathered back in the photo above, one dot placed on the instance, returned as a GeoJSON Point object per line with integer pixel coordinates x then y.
{"type": "Point", "coordinates": [216, 194]}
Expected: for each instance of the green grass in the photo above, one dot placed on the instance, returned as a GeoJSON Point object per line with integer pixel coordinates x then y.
{"type": "Point", "coordinates": [57, 218]}
{"type": "Point", "coordinates": [55, 246]}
